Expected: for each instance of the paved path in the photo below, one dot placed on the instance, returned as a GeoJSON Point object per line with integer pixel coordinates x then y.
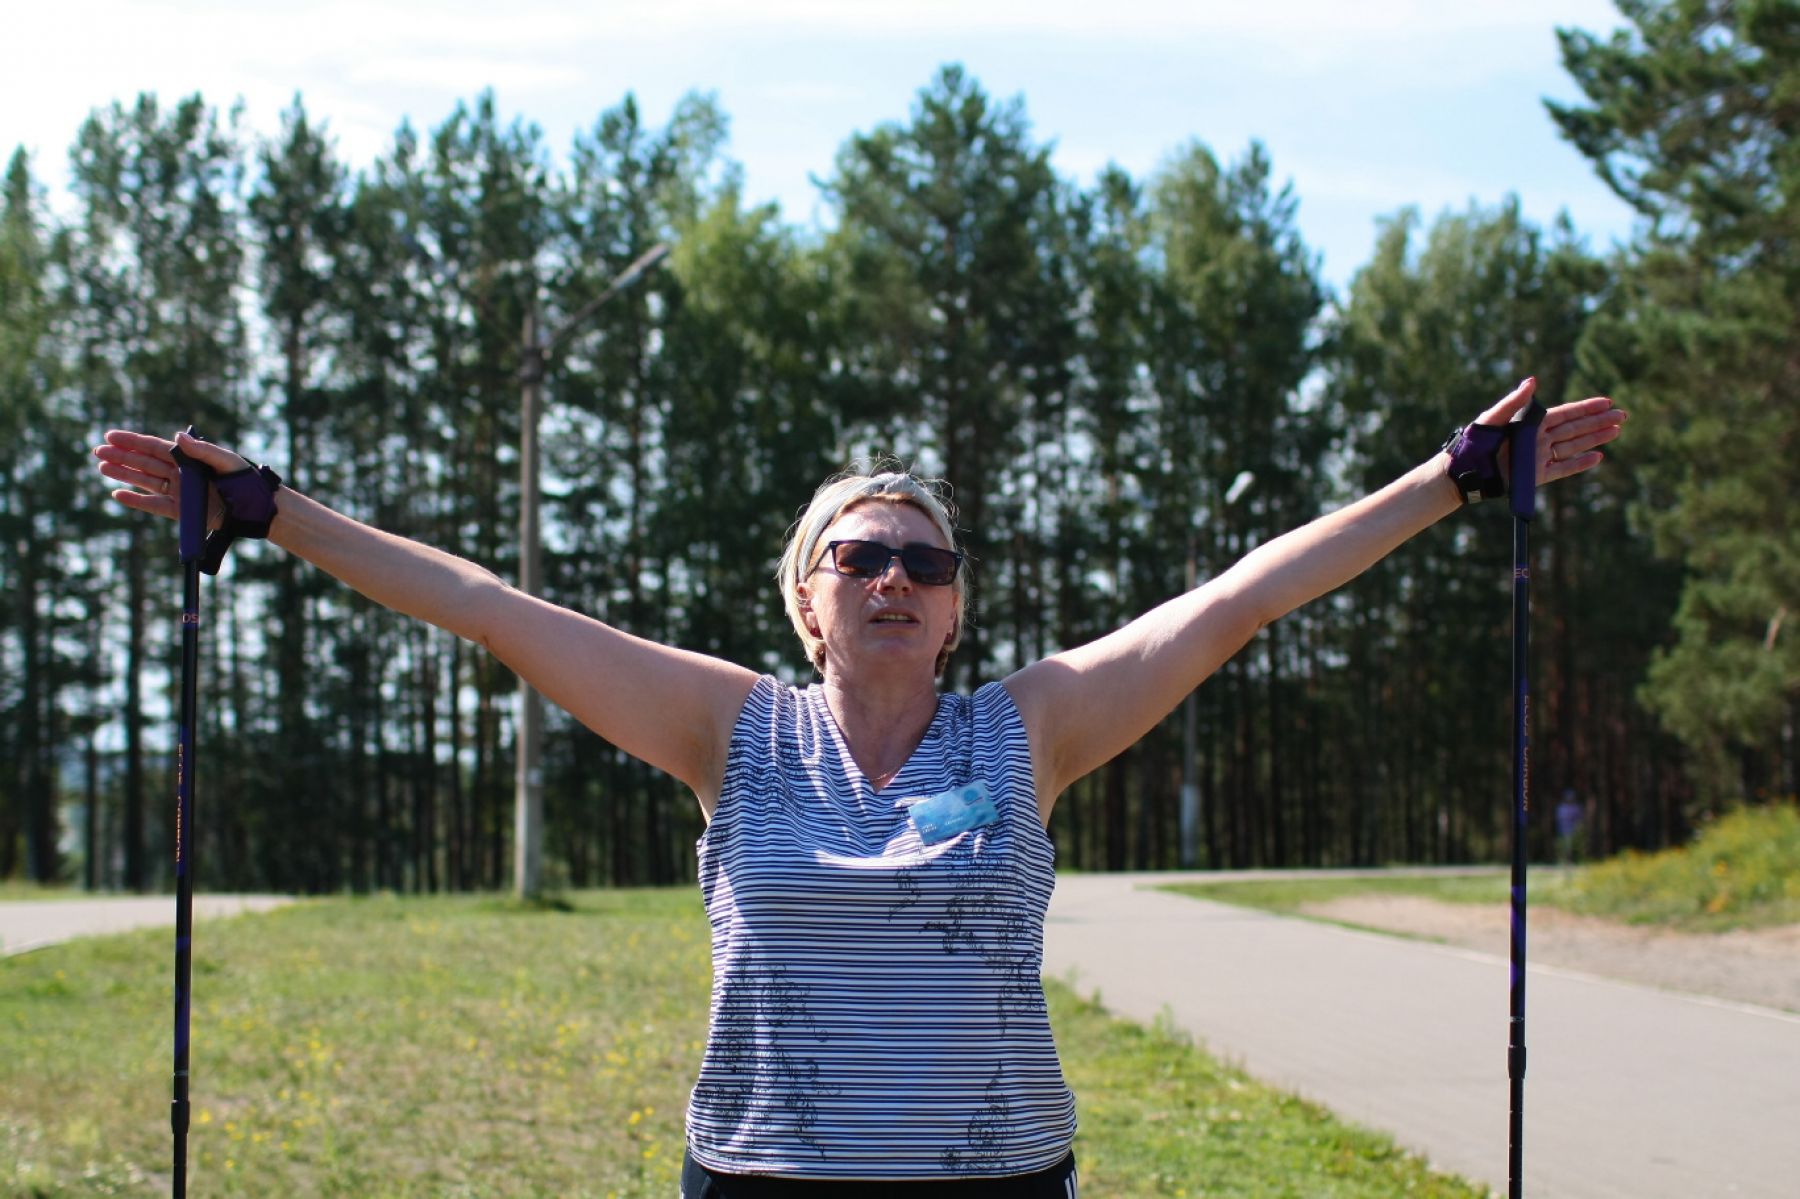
{"type": "Point", "coordinates": [1630, 1092]}
{"type": "Point", "coordinates": [33, 924]}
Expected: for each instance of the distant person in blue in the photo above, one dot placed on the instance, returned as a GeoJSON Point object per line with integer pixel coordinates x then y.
{"type": "Point", "coordinates": [875, 866]}
{"type": "Point", "coordinates": [1568, 828]}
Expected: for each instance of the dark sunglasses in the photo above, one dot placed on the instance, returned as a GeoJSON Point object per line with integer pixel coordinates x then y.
{"type": "Point", "coordinates": [925, 564]}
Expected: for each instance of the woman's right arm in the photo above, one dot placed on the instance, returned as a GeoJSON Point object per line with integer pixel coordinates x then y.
{"type": "Point", "coordinates": [669, 707]}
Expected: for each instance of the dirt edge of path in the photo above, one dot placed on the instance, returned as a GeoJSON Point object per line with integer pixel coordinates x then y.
{"type": "Point", "coordinates": [1760, 966]}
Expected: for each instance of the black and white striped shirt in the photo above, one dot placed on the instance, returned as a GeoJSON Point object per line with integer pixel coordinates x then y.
{"type": "Point", "coordinates": [877, 1006]}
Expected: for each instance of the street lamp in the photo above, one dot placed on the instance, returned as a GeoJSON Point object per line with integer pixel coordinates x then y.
{"type": "Point", "coordinates": [1190, 710]}
{"type": "Point", "coordinates": [528, 784]}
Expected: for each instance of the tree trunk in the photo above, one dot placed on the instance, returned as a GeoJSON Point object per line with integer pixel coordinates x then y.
{"type": "Point", "coordinates": [136, 861]}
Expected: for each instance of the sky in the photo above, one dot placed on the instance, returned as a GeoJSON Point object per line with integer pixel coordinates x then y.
{"type": "Point", "coordinates": [1365, 106]}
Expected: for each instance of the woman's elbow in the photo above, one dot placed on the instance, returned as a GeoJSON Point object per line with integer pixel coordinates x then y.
{"type": "Point", "coordinates": [482, 608]}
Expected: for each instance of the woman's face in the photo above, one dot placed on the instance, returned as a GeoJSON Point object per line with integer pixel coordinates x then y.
{"type": "Point", "coordinates": [888, 620]}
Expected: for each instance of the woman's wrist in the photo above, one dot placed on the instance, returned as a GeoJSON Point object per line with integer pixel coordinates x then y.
{"type": "Point", "coordinates": [1440, 466]}
{"type": "Point", "coordinates": [1474, 466]}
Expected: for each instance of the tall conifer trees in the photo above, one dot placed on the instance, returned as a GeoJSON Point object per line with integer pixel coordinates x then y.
{"type": "Point", "coordinates": [1691, 117]}
{"type": "Point", "coordinates": [1124, 382]}
{"type": "Point", "coordinates": [157, 340]}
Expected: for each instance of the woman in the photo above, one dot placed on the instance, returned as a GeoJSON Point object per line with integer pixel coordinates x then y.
{"type": "Point", "coordinates": [875, 865]}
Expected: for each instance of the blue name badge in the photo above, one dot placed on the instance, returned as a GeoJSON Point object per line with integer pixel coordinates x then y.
{"type": "Point", "coordinates": [942, 816]}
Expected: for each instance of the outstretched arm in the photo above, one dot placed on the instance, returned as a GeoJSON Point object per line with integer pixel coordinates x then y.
{"type": "Point", "coordinates": [1085, 705]}
{"type": "Point", "coordinates": [671, 708]}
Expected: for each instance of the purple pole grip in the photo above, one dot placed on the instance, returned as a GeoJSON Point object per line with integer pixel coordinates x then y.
{"type": "Point", "coordinates": [192, 521]}
{"type": "Point", "coordinates": [1522, 487]}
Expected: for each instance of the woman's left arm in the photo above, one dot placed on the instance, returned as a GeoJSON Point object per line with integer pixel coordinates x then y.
{"type": "Point", "coordinates": [1083, 706]}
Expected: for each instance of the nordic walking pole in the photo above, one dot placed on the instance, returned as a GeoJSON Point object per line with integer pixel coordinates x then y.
{"type": "Point", "coordinates": [1522, 433]}
{"type": "Point", "coordinates": [192, 536]}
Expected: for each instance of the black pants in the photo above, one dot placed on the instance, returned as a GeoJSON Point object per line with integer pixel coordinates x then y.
{"type": "Point", "coordinates": [1057, 1182]}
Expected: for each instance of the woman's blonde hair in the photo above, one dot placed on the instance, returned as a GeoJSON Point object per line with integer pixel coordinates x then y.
{"type": "Point", "coordinates": [837, 495]}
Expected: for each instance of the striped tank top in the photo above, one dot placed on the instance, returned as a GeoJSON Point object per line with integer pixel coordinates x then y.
{"type": "Point", "coordinates": [877, 1004]}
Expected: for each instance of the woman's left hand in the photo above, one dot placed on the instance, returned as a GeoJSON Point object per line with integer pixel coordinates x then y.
{"type": "Point", "coordinates": [1570, 438]}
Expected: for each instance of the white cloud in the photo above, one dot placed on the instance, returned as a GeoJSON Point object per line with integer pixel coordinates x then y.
{"type": "Point", "coordinates": [463, 73]}
{"type": "Point", "coordinates": [803, 91]}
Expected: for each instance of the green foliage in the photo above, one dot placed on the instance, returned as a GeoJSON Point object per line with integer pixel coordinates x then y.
{"type": "Point", "coordinates": [1429, 325]}
{"type": "Point", "coordinates": [425, 1047]}
{"type": "Point", "coordinates": [155, 338]}
{"type": "Point", "coordinates": [1092, 367]}
{"type": "Point", "coordinates": [1690, 118]}
{"type": "Point", "coordinates": [32, 443]}
{"type": "Point", "coordinates": [956, 319]}
{"type": "Point", "coordinates": [1229, 337]}
{"type": "Point", "coordinates": [1683, 80]}
{"type": "Point", "coordinates": [1741, 869]}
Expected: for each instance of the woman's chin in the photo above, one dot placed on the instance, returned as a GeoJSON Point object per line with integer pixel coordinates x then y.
{"type": "Point", "coordinates": [893, 650]}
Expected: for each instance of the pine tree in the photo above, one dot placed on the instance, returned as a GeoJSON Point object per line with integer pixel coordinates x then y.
{"type": "Point", "coordinates": [1691, 116]}
{"type": "Point", "coordinates": [38, 515]}
{"type": "Point", "coordinates": [1238, 293]}
{"type": "Point", "coordinates": [298, 218]}
{"type": "Point", "coordinates": [1432, 329]}
{"type": "Point", "coordinates": [946, 243]}
{"type": "Point", "coordinates": [155, 261]}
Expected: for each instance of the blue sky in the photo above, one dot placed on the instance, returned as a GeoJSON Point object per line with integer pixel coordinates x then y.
{"type": "Point", "coordinates": [1365, 106]}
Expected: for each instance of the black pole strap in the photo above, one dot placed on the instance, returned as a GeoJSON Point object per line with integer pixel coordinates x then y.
{"type": "Point", "coordinates": [247, 495]}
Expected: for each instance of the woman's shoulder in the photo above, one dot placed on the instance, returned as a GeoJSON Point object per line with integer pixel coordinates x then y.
{"type": "Point", "coordinates": [994, 701]}
{"type": "Point", "coordinates": [984, 716]}
{"type": "Point", "coordinates": [774, 703]}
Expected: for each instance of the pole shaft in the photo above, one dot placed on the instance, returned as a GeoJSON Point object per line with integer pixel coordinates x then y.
{"type": "Point", "coordinates": [184, 863]}
{"type": "Point", "coordinates": [1522, 434]}
{"type": "Point", "coordinates": [1515, 1057]}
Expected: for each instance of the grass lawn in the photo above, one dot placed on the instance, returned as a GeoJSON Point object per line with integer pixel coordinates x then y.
{"type": "Point", "coordinates": [1741, 871]}
{"type": "Point", "coordinates": [1289, 895]}
{"type": "Point", "coordinates": [470, 1047]}
{"type": "Point", "coordinates": [18, 891]}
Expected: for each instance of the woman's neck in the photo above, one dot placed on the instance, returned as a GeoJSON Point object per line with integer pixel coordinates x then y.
{"type": "Point", "coordinates": [882, 725]}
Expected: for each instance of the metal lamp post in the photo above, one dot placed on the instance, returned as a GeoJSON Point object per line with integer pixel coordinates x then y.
{"type": "Point", "coordinates": [534, 359]}
{"type": "Point", "coordinates": [1190, 708]}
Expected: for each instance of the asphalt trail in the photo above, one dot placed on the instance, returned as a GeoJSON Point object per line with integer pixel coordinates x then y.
{"type": "Point", "coordinates": [1629, 1091]}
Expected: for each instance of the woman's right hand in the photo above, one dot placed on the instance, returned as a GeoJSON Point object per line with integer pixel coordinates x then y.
{"type": "Point", "coordinates": [147, 464]}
